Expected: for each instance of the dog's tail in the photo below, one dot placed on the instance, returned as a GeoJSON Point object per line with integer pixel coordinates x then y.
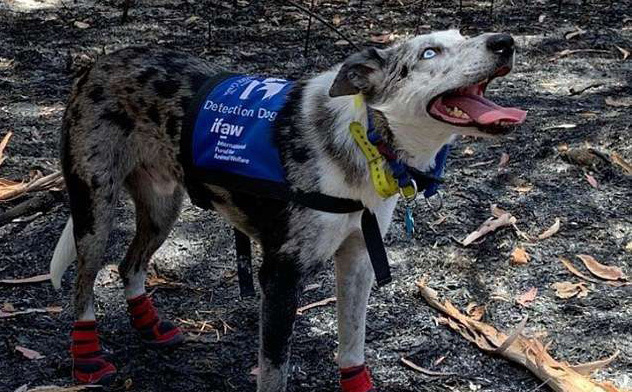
{"type": "Point", "coordinates": [65, 253]}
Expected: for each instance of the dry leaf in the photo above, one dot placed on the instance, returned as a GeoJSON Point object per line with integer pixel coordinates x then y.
{"type": "Point", "coordinates": [468, 151]}
{"type": "Point", "coordinates": [10, 189]}
{"type": "Point", "coordinates": [383, 38]}
{"type": "Point", "coordinates": [3, 145]}
{"type": "Point", "coordinates": [560, 126]}
{"type": "Point", "coordinates": [425, 371]}
{"type": "Point", "coordinates": [479, 164]}
{"type": "Point", "coordinates": [618, 160]}
{"type": "Point", "coordinates": [619, 102]}
{"type": "Point", "coordinates": [600, 270]}
{"type": "Point", "coordinates": [336, 20]}
{"type": "Point", "coordinates": [504, 160]}
{"type": "Point", "coordinates": [28, 353]}
{"type": "Point", "coordinates": [191, 20]}
{"type": "Point", "coordinates": [81, 25]}
{"type": "Point", "coordinates": [525, 299]}
{"type": "Point", "coordinates": [49, 309]}
{"type": "Point", "coordinates": [32, 279]}
{"type": "Point", "coordinates": [8, 307]}
{"type": "Point", "coordinates": [567, 290]}
{"type": "Point", "coordinates": [528, 352]}
{"type": "Point", "coordinates": [523, 188]}
{"type": "Point", "coordinates": [569, 265]}
{"type": "Point", "coordinates": [551, 230]}
{"type": "Point", "coordinates": [496, 211]}
{"type": "Point", "coordinates": [323, 302]}
{"type": "Point", "coordinates": [475, 312]}
{"type": "Point", "coordinates": [55, 388]}
{"type": "Point", "coordinates": [568, 52]}
{"type": "Point", "coordinates": [625, 53]}
{"type": "Point", "coordinates": [519, 256]}
{"type": "Point", "coordinates": [575, 33]}
{"type": "Point", "coordinates": [586, 369]}
{"type": "Point", "coordinates": [592, 181]}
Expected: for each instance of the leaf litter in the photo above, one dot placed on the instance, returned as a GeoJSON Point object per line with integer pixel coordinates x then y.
{"type": "Point", "coordinates": [551, 230]}
{"type": "Point", "coordinates": [602, 271]}
{"type": "Point", "coordinates": [567, 289]}
{"type": "Point", "coordinates": [528, 352]}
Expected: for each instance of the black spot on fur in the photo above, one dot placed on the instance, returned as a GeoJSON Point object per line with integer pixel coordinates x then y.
{"type": "Point", "coordinates": [404, 72]}
{"type": "Point", "coordinates": [96, 94]}
{"type": "Point", "coordinates": [80, 195]}
{"type": "Point", "coordinates": [166, 88]}
{"type": "Point", "coordinates": [73, 114]}
{"type": "Point", "coordinates": [300, 154]}
{"type": "Point", "coordinates": [173, 127]}
{"type": "Point", "coordinates": [154, 114]}
{"type": "Point", "coordinates": [119, 118]}
{"type": "Point", "coordinates": [146, 74]}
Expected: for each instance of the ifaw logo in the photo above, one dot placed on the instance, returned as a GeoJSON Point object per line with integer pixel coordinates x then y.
{"type": "Point", "coordinates": [271, 86]}
{"type": "Point", "coordinates": [219, 126]}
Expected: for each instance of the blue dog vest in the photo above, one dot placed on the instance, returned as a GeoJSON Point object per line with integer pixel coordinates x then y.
{"type": "Point", "coordinates": [228, 139]}
{"type": "Point", "coordinates": [233, 132]}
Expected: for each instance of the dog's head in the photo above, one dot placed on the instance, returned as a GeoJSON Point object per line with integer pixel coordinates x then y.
{"type": "Point", "coordinates": [434, 82]}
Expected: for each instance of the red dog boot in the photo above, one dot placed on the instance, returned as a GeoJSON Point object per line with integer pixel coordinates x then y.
{"type": "Point", "coordinates": [356, 379]}
{"type": "Point", "coordinates": [88, 362]}
{"type": "Point", "coordinates": [153, 330]}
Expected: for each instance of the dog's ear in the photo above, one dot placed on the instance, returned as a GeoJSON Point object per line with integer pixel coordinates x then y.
{"type": "Point", "coordinates": [359, 73]}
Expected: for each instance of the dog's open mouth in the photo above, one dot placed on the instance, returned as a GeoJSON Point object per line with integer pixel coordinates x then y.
{"type": "Point", "coordinates": [468, 107]}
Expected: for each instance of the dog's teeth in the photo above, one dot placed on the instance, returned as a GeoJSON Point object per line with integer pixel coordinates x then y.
{"type": "Point", "coordinates": [456, 112]}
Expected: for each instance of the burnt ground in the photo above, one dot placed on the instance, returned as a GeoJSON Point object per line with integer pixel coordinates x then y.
{"type": "Point", "coordinates": [40, 49]}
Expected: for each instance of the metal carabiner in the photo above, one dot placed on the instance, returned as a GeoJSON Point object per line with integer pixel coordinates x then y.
{"type": "Point", "coordinates": [409, 199]}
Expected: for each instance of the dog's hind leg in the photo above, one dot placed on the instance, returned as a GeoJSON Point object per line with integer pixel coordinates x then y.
{"type": "Point", "coordinates": [93, 189]}
{"type": "Point", "coordinates": [280, 279]}
{"type": "Point", "coordinates": [158, 197]}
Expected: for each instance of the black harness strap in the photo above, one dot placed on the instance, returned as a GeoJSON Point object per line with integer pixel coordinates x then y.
{"type": "Point", "coordinates": [375, 247]}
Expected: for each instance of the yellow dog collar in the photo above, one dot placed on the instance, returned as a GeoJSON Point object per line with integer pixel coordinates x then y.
{"type": "Point", "coordinates": [383, 181]}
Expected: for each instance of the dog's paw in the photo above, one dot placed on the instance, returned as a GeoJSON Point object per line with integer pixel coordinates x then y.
{"type": "Point", "coordinates": [89, 366]}
{"type": "Point", "coordinates": [356, 379]}
{"type": "Point", "coordinates": [154, 331]}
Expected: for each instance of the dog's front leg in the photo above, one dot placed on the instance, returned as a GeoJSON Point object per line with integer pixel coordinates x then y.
{"type": "Point", "coordinates": [354, 278]}
{"type": "Point", "coordinates": [280, 280]}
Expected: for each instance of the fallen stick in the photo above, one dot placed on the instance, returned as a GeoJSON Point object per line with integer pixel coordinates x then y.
{"type": "Point", "coordinates": [323, 302]}
{"type": "Point", "coordinates": [39, 203]}
{"type": "Point", "coordinates": [488, 226]}
{"type": "Point", "coordinates": [425, 371]}
{"type": "Point", "coordinates": [528, 352]}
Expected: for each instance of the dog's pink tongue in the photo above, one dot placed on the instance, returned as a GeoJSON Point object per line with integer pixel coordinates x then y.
{"type": "Point", "coordinates": [483, 111]}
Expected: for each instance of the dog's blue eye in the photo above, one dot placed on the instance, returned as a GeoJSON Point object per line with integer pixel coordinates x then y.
{"type": "Point", "coordinates": [429, 53]}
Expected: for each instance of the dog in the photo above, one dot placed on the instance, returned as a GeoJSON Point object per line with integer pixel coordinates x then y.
{"type": "Point", "coordinates": [122, 130]}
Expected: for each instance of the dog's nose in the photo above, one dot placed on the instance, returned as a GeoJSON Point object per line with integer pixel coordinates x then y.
{"type": "Point", "coordinates": [501, 44]}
